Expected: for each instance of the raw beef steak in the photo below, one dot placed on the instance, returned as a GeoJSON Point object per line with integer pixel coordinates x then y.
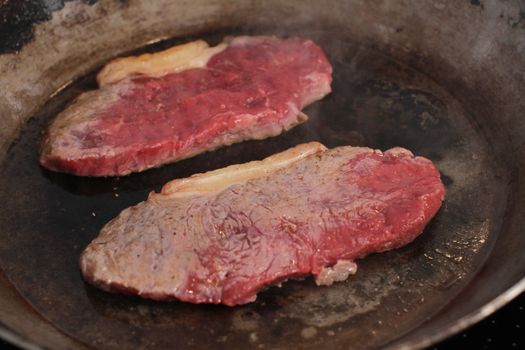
{"type": "Point", "coordinates": [159, 108]}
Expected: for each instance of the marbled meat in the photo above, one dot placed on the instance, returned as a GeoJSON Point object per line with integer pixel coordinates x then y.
{"type": "Point", "coordinates": [159, 108]}
{"type": "Point", "coordinates": [222, 236]}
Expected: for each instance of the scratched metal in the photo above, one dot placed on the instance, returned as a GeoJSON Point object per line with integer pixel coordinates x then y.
{"type": "Point", "coordinates": [383, 96]}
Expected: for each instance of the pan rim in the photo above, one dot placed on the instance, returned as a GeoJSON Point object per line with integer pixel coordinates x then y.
{"type": "Point", "coordinates": [464, 322]}
{"type": "Point", "coordinates": [452, 328]}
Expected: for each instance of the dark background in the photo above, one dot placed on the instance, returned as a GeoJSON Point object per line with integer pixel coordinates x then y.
{"type": "Point", "coordinates": [503, 330]}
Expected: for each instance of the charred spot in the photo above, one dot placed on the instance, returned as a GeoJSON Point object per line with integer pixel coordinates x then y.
{"type": "Point", "coordinates": [18, 17]}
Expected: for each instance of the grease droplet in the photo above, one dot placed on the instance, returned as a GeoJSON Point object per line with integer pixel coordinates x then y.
{"type": "Point", "coordinates": [309, 332]}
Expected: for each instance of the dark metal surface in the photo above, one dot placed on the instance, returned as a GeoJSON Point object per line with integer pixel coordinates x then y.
{"type": "Point", "coordinates": [391, 88]}
{"type": "Point", "coordinates": [17, 20]}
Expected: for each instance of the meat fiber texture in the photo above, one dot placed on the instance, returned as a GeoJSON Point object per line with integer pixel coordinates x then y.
{"type": "Point", "coordinates": [220, 237]}
{"type": "Point", "coordinates": [159, 108]}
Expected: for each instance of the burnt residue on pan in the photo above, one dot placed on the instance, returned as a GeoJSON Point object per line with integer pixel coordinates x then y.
{"type": "Point", "coordinates": [376, 102]}
{"type": "Point", "coordinates": [17, 19]}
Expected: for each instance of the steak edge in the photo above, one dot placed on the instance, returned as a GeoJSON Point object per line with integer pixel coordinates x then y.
{"type": "Point", "coordinates": [220, 237]}
{"type": "Point", "coordinates": [159, 108]}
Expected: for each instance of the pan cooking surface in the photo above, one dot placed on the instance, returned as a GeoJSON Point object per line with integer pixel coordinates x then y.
{"type": "Point", "coordinates": [376, 102]}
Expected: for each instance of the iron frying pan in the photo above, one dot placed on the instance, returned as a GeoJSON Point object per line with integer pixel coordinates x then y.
{"type": "Point", "coordinates": [442, 78]}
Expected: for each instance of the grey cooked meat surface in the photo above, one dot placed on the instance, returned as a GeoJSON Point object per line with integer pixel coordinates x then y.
{"type": "Point", "coordinates": [223, 247]}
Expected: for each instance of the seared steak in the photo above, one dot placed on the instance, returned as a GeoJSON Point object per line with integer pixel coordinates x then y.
{"type": "Point", "coordinates": [221, 236]}
{"type": "Point", "coordinates": [160, 108]}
